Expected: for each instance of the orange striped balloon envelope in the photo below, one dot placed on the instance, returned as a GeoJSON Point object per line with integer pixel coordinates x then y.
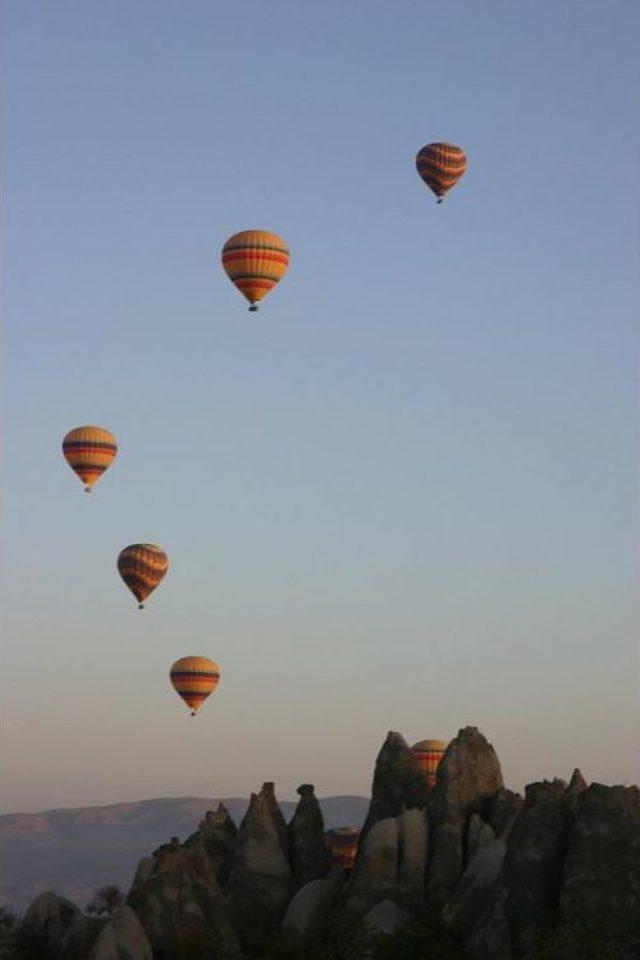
{"type": "Point", "coordinates": [343, 846]}
{"type": "Point", "coordinates": [142, 566]}
{"type": "Point", "coordinates": [441, 165]}
{"type": "Point", "coordinates": [429, 753]}
{"type": "Point", "coordinates": [255, 261]}
{"type": "Point", "coordinates": [194, 679]}
{"type": "Point", "coordinates": [89, 451]}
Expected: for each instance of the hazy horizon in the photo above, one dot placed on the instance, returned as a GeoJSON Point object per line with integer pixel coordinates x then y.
{"type": "Point", "coordinates": [400, 497]}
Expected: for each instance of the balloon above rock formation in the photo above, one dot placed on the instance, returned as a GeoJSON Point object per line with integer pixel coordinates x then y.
{"type": "Point", "coordinates": [429, 754]}
{"type": "Point", "coordinates": [142, 566]}
{"type": "Point", "coordinates": [89, 451]}
{"type": "Point", "coordinates": [441, 166]}
{"type": "Point", "coordinates": [343, 846]}
{"type": "Point", "coordinates": [255, 260]}
{"type": "Point", "coordinates": [194, 679]}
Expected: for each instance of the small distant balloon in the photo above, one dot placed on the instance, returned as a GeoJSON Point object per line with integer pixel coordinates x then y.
{"type": "Point", "coordinates": [89, 451]}
{"type": "Point", "coordinates": [142, 566]}
{"type": "Point", "coordinates": [194, 679]}
{"type": "Point", "coordinates": [441, 165]}
{"type": "Point", "coordinates": [429, 753]}
{"type": "Point", "coordinates": [255, 261]}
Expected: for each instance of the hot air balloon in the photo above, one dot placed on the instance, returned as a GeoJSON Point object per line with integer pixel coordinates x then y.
{"type": "Point", "coordinates": [142, 566]}
{"type": "Point", "coordinates": [89, 451]}
{"type": "Point", "coordinates": [255, 260]}
{"type": "Point", "coordinates": [195, 678]}
{"type": "Point", "coordinates": [441, 165]}
{"type": "Point", "coordinates": [343, 846]}
{"type": "Point", "coordinates": [429, 753]}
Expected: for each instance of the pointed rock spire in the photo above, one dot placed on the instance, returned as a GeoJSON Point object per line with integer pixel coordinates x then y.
{"type": "Point", "coordinates": [398, 782]}
{"type": "Point", "coordinates": [260, 883]}
{"type": "Point", "coordinates": [469, 774]}
{"type": "Point", "coordinates": [308, 852]}
{"type": "Point", "coordinates": [216, 834]}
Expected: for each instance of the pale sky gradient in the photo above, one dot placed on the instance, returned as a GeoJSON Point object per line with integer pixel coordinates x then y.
{"type": "Point", "coordinates": [402, 496]}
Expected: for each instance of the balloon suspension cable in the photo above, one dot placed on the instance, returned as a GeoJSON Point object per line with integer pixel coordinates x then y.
{"type": "Point", "coordinates": [141, 606]}
{"type": "Point", "coordinates": [253, 308]}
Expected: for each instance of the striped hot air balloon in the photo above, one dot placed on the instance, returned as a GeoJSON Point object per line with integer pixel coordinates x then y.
{"type": "Point", "coordinates": [429, 754]}
{"type": "Point", "coordinates": [343, 846]}
{"type": "Point", "coordinates": [441, 165]}
{"type": "Point", "coordinates": [89, 451]}
{"type": "Point", "coordinates": [194, 679]}
{"type": "Point", "coordinates": [142, 566]}
{"type": "Point", "coordinates": [255, 261]}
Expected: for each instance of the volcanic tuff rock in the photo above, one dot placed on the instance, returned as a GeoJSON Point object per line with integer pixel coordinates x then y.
{"type": "Point", "coordinates": [308, 851]}
{"type": "Point", "coordinates": [524, 907]}
{"type": "Point", "coordinates": [75, 852]}
{"type": "Point", "coordinates": [375, 873]}
{"type": "Point", "coordinates": [479, 834]}
{"type": "Point", "coordinates": [122, 938]}
{"type": "Point", "coordinates": [533, 866]}
{"type": "Point", "coordinates": [308, 911]}
{"type": "Point", "coordinates": [398, 782]}
{"type": "Point", "coordinates": [473, 894]}
{"type": "Point", "coordinates": [179, 901]}
{"type": "Point", "coordinates": [469, 774]}
{"type": "Point", "coordinates": [500, 811]}
{"type": "Point", "coordinates": [384, 919]}
{"type": "Point", "coordinates": [503, 874]}
{"type": "Point", "coordinates": [260, 883]}
{"type": "Point", "coordinates": [217, 834]}
{"type": "Point", "coordinates": [55, 927]}
{"type": "Point", "coordinates": [413, 837]}
{"type": "Point", "coordinates": [577, 786]}
{"type": "Point", "coordinates": [601, 878]}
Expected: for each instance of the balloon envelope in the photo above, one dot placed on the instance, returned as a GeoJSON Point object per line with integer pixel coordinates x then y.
{"type": "Point", "coordinates": [89, 451]}
{"type": "Point", "coordinates": [343, 846]}
{"type": "Point", "coordinates": [194, 679]}
{"type": "Point", "coordinates": [142, 566]}
{"type": "Point", "coordinates": [441, 165]}
{"type": "Point", "coordinates": [429, 753]}
{"type": "Point", "coordinates": [255, 260]}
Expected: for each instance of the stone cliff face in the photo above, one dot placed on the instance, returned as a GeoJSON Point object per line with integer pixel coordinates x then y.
{"type": "Point", "coordinates": [502, 876]}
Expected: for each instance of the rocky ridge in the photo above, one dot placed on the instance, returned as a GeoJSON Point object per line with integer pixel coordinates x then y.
{"type": "Point", "coordinates": [494, 875]}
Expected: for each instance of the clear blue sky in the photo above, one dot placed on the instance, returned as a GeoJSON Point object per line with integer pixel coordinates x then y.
{"type": "Point", "coordinates": [399, 497]}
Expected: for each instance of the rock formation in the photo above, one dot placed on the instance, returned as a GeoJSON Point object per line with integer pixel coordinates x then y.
{"type": "Point", "coordinates": [55, 928]}
{"type": "Point", "coordinates": [217, 835]}
{"type": "Point", "coordinates": [375, 875]}
{"type": "Point", "coordinates": [179, 902]}
{"type": "Point", "coordinates": [398, 782]}
{"type": "Point", "coordinates": [469, 775]}
{"type": "Point", "coordinates": [122, 938]}
{"type": "Point", "coordinates": [601, 873]}
{"type": "Point", "coordinates": [308, 851]}
{"type": "Point", "coordinates": [554, 874]}
{"type": "Point", "coordinates": [307, 913]}
{"type": "Point", "coordinates": [533, 867]}
{"type": "Point", "coordinates": [260, 882]}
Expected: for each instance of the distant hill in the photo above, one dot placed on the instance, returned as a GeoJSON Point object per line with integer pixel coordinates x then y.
{"type": "Point", "coordinates": [75, 851]}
